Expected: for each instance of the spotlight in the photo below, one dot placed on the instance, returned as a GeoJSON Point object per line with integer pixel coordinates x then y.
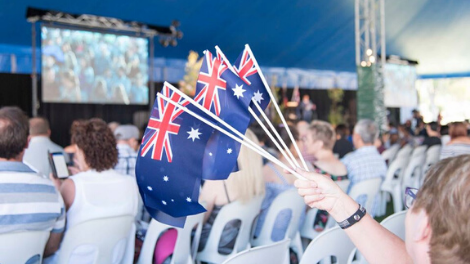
{"type": "Point", "coordinates": [363, 63]}
{"type": "Point", "coordinates": [372, 59]}
{"type": "Point", "coordinates": [179, 34]}
{"type": "Point", "coordinates": [369, 52]}
{"type": "Point", "coordinates": [175, 23]}
{"type": "Point", "coordinates": [173, 42]}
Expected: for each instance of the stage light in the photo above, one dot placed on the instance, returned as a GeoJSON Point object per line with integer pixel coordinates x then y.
{"type": "Point", "coordinates": [369, 52]}
{"type": "Point", "coordinates": [372, 59]}
{"type": "Point", "coordinates": [173, 42]}
{"type": "Point", "coordinates": [363, 63]}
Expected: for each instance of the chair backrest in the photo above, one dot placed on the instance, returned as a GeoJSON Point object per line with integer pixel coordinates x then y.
{"type": "Point", "coordinates": [369, 188]}
{"type": "Point", "coordinates": [97, 241]}
{"type": "Point", "coordinates": [418, 151]}
{"type": "Point", "coordinates": [389, 154]}
{"type": "Point", "coordinates": [396, 168]}
{"type": "Point", "coordinates": [331, 242]}
{"type": "Point", "coordinates": [396, 224]}
{"type": "Point", "coordinates": [404, 152]}
{"type": "Point", "coordinates": [432, 157]}
{"type": "Point", "coordinates": [19, 247]}
{"type": "Point", "coordinates": [183, 252]}
{"type": "Point", "coordinates": [246, 214]}
{"type": "Point", "coordinates": [277, 252]}
{"type": "Point", "coordinates": [290, 200]}
{"type": "Point", "coordinates": [413, 172]}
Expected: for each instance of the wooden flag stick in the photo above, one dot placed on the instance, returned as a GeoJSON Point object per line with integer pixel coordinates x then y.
{"type": "Point", "coordinates": [239, 140]}
{"type": "Point", "coordinates": [291, 159]}
{"type": "Point", "coordinates": [215, 117]}
{"type": "Point", "coordinates": [273, 99]}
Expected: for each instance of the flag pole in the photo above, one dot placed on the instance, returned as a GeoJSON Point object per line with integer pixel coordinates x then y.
{"type": "Point", "coordinates": [215, 117]}
{"type": "Point", "coordinates": [290, 158]}
{"type": "Point", "coordinates": [241, 141]}
{"type": "Point", "coordinates": [277, 108]}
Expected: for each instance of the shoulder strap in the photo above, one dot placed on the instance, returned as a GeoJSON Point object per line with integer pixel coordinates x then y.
{"type": "Point", "coordinates": [226, 192]}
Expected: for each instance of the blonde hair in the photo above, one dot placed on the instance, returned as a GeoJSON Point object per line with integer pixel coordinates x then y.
{"type": "Point", "coordinates": [445, 196]}
{"type": "Point", "coordinates": [248, 182]}
{"type": "Point", "coordinates": [324, 132]}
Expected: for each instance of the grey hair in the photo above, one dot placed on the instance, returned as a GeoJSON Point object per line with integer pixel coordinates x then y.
{"type": "Point", "coordinates": [367, 130]}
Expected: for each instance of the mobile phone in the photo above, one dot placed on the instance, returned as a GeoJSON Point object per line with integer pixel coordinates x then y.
{"type": "Point", "coordinates": [58, 165]}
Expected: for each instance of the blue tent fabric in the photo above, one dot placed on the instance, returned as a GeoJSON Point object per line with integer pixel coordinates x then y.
{"type": "Point", "coordinates": [307, 35]}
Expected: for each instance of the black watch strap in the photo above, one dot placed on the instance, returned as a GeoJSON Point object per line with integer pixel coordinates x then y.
{"type": "Point", "coordinates": [356, 217]}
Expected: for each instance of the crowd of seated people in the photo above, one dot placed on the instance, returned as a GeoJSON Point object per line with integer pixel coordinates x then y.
{"type": "Point", "coordinates": [102, 182]}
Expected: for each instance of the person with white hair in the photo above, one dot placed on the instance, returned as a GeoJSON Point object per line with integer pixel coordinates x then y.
{"type": "Point", "coordinates": [127, 137]}
{"type": "Point", "coordinates": [365, 162]}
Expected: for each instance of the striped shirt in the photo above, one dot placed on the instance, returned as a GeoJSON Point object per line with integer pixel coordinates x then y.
{"type": "Point", "coordinates": [454, 150]}
{"type": "Point", "coordinates": [28, 201]}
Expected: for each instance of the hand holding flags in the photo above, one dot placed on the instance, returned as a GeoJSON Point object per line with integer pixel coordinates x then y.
{"type": "Point", "coordinates": [185, 143]}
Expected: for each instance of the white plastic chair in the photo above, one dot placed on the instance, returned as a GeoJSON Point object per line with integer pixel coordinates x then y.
{"type": "Point", "coordinates": [97, 241]}
{"type": "Point", "coordinates": [389, 154]}
{"type": "Point", "coordinates": [392, 184]}
{"type": "Point", "coordinates": [412, 173]}
{"type": "Point", "coordinates": [404, 152]}
{"type": "Point", "coordinates": [394, 223]}
{"type": "Point", "coordinates": [331, 242]}
{"type": "Point", "coordinates": [419, 151]}
{"type": "Point", "coordinates": [291, 200]}
{"type": "Point", "coordinates": [246, 213]}
{"type": "Point", "coordinates": [432, 157]}
{"type": "Point", "coordinates": [183, 252]}
{"type": "Point", "coordinates": [277, 252]}
{"type": "Point", "coordinates": [19, 247]}
{"type": "Point", "coordinates": [370, 188]}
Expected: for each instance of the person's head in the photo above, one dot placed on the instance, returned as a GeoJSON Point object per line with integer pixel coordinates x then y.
{"type": "Point", "coordinates": [394, 136]}
{"type": "Point", "coordinates": [306, 98]}
{"type": "Point", "coordinates": [96, 146]}
{"type": "Point", "coordinates": [287, 140]}
{"type": "Point", "coordinates": [14, 130]}
{"type": "Point", "coordinates": [415, 113]}
{"type": "Point", "coordinates": [365, 133]}
{"type": "Point", "coordinates": [127, 134]}
{"type": "Point", "coordinates": [39, 126]}
{"type": "Point", "coordinates": [302, 127]}
{"type": "Point", "coordinates": [321, 136]}
{"type": "Point", "coordinates": [113, 125]}
{"type": "Point", "coordinates": [457, 129]}
{"type": "Point", "coordinates": [247, 182]}
{"type": "Point", "coordinates": [342, 131]}
{"type": "Point", "coordinates": [432, 129]}
{"type": "Point", "coordinates": [438, 223]}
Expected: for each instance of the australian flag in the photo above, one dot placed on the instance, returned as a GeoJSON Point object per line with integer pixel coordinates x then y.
{"type": "Point", "coordinates": [248, 70]}
{"type": "Point", "coordinates": [221, 91]}
{"type": "Point", "coordinates": [170, 161]}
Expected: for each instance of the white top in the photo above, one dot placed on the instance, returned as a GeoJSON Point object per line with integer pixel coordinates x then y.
{"type": "Point", "coordinates": [102, 194]}
{"type": "Point", "coordinates": [36, 154]}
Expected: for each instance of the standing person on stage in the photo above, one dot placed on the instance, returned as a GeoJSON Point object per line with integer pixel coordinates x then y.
{"type": "Point", "coordinates": [365, 162]}
{"type": "Point", "coordinates": [36, 155]}
{"type": "Point", "coordinates": [308, 110]}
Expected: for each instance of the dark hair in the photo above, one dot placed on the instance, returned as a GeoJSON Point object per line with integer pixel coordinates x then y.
{"type": "Point", "coordinates": [285, 136]}
{"type": "Point", "coordinates": [341, 130]}
{"type": "Point", "coordinates": [14, 131]}
{"type": "Point", "coordinates": [97, 142]}
{"type": "Point", "coordinates": [433, 126]}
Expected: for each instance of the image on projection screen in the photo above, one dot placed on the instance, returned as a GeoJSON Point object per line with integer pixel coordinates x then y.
{"type": "Point", "coordinates": [90, 67]}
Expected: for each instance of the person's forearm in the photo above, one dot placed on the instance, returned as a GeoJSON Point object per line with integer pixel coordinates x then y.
{"type": "Point", "coordinates": [377, 244]}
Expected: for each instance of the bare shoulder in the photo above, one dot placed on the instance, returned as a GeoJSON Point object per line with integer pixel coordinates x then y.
{"type": "Point", "coordinates": [67, 190]}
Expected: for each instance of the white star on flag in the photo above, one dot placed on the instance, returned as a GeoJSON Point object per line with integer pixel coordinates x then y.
{"type": "Point", "coordinates": [150, 188]}
{"type": "Point", "coordinates": [163, 202]}
{"type": "Point", "coordinates": [194, 134]}
{"type": "Point", "coordinates": [238, 91]}
{"type": "Point", "coordinates": [165, 178]}
{"type": "Point", "coordinates": [258, 97]}
{"type": "Point", "coordinates": [188, 199]}
{"type": "Point", "coordinates": [210, 154]}
{"type": "Point", "coordinates": [172, 200]}
{"type": "Point", "coordinates": [229, 151]}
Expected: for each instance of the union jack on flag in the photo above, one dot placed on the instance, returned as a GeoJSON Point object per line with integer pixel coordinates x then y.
{"type": "Point", "coordinates": [246, 67]}
{"type": "Point", "coordinates": [161, 126]}
{"type": "Point", "coordinates": [211, 78]}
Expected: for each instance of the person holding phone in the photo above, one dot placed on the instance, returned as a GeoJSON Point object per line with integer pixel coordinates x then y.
{"type": "Point", "coordinates": [87, 193]}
